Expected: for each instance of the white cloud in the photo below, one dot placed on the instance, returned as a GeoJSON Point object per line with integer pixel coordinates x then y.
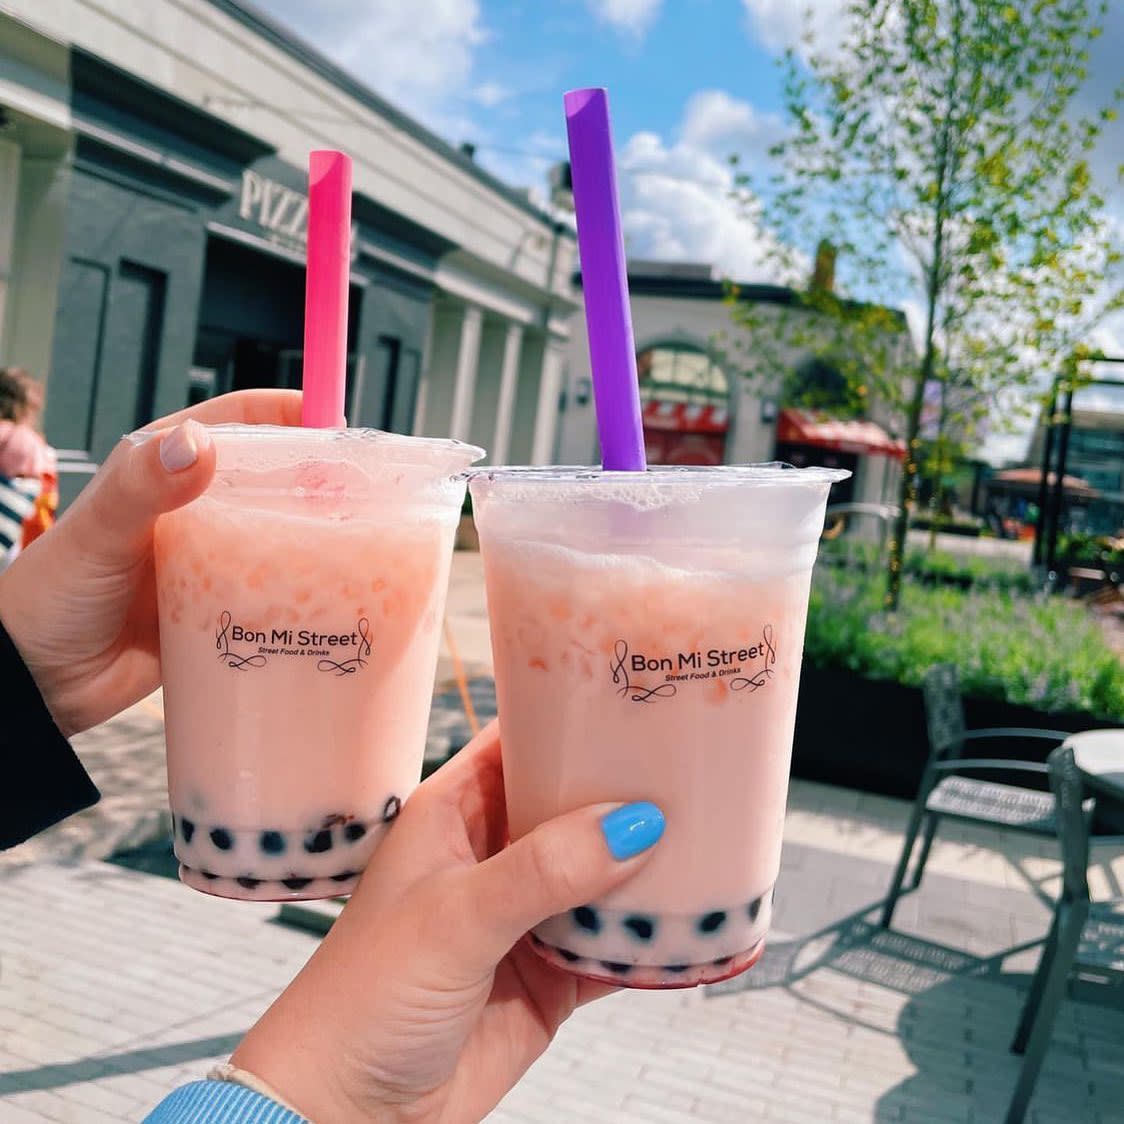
{"type": "Point", "coordinates": [631, 17]}
{"type": "Point", "coordinates": [677, 198]}
{"type": "Point", "coordinates": [418, 55]}
{"type": "Point", "coordinates": [778, 24]}
{"type": "Point", "coordinates": [490, 94]}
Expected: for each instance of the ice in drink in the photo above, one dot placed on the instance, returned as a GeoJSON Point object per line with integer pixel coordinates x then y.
{"type": "Point", "coordinates": [301, 601]}
{"type": "Point", "coordinates": [647, 633]}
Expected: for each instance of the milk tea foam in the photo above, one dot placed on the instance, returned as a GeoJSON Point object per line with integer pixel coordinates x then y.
{"type": "Point", "coordinates": [647, 634]}
{"type": "Point", "coordinates": [301, 600]}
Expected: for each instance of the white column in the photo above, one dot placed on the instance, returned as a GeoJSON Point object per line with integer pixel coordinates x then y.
{"type": "Point", "coordinates": [509, 382]}
{"type": "Point", "coordinates": [468, 361]}
{"type": "Point", "coordinates": [546, 416]}
{"type": "Point", "coordinates": [9, 197]}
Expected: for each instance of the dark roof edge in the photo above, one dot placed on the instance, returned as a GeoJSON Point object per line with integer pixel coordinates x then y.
{"type": "Point", "coordinates": [252, 17]}
{"type": "Point", "coordinates": [691, 288]}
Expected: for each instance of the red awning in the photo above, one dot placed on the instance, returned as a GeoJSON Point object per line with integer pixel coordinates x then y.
{"type": "Point", "coordinates": [810, 427]}
{"type": "Point", "coordinates": [682, 417]}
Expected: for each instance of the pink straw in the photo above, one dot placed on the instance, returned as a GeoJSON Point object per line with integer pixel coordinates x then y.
{"type": "Point", "coordinates": [326, 285]}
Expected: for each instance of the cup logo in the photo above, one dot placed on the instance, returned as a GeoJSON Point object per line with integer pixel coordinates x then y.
{"type": "Point", "coordinates": [630, 690]}
{"type": "Point", "coordinates": [746, 668]}
{"type": "Point", "coordinates": [242, 648]}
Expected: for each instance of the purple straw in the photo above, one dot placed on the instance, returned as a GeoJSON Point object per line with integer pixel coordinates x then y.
{"type": "Point", "coordinates": [612, 353]}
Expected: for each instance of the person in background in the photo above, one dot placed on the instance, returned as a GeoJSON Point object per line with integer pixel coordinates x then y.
{"type": "Point", "coordinates": [28, 471]}
{"type": "Point", "coordinates": [423, 1005]}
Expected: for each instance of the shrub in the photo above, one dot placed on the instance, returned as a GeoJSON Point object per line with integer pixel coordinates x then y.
{"type": "Point", "coordinates": [1044, 653]}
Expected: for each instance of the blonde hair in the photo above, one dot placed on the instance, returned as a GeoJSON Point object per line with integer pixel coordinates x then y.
{"type": "Point", "coordinates": [21, 395]}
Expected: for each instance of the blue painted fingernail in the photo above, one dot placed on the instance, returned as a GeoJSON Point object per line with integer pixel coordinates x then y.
{"type": "Point", "coordinates": [632, 828]}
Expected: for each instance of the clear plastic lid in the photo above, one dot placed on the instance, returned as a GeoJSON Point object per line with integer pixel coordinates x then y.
{"type": "Point", "coordinates": [766, 508]}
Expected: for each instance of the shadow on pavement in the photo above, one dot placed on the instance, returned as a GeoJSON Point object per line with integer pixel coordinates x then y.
{"type": "Point", "coordinates": [956, 1026]}
{"type": "Point", "coordinates": [107, 1065]}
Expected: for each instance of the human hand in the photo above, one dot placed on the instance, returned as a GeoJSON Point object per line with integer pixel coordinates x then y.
{"type": "Point", "coordinates": [80, 602]}
{"type": "Point", "coordinates": [423, 1004]}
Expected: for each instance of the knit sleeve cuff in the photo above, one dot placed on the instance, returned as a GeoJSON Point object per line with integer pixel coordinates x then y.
{"type": "Point", "coordinates": [221, 1102]}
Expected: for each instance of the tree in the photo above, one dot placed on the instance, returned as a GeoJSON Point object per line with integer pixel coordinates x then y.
{"type": "Point", "coordinates": [939, 147]}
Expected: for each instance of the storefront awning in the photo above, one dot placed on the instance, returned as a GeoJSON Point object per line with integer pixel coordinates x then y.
{"type": "Point", "coordinates": [684, 417]}
{"type": "Point", "coordinates": [811, 427]}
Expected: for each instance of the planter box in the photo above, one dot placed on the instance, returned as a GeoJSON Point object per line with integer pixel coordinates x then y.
{"type": "Point", "coordinates": [870, 734]}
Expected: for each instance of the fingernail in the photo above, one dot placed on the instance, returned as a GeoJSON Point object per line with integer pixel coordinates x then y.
{"type": "Point", "coordinates": [180, 448]}
{"type": "Point", "coordinates": [632, 828]}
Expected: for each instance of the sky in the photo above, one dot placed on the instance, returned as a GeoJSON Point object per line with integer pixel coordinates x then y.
{"type": "Point", "coordinates": [690, 82]}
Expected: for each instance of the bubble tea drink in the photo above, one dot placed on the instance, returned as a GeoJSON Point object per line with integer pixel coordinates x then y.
{"type": "Point", "coordinates": [301, 600]}
{"type": "Point", "coordinates": [647, 631]}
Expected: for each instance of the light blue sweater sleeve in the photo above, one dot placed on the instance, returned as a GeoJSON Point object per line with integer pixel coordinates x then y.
{"type": "Point", "coordinates": [220, 1102]}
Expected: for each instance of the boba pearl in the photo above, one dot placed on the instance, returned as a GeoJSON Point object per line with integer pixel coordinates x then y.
{"type": "Point", "coordinates": [248, 883]}
{"type": "Point", "coordinates": [616, 967]}
{"type": "Point", "coordinates": [187, 829]}
{"type": "Point", "coordinates": [222, 838]}
{"type": "Point", "coordinates": [585, 916]}
{"type": "Point", "coordinates": [354, 832]}
{"type": "Point", "coordinates": [272, 842]}
{"type": "Point", "coordinates": [712, 922]}
{"type": "Point", "coordinates": [642, 928]}
{"type": "Point", "coordinates": [318, 842]}
{"type": "Point", "coordinates": [295, 883]}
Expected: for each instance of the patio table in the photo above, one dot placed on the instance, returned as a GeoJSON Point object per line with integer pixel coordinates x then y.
{"type": "Point", "coordinates": [1099, 755]}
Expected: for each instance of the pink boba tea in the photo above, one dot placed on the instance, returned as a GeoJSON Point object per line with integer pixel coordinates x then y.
{"type": "Point", "coordinates": [647, 631]}
{"type": "Point", "coordinates": [301, 600]}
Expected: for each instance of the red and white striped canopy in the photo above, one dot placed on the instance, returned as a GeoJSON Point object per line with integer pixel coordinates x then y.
{"type": "Point", "coordinates": [683, 417]}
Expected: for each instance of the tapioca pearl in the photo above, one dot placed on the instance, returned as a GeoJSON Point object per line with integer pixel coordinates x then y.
{"type": "Point", "coordinates": [318, 842]}
{"type": "Point", "coordinates": [712, 922]}
{"type": "Point", "coordinates": [616, 967]}
{"type": "Point", "coordinates": [248, 883]}
{"type": "Point", "coordinates": [187, 829]}
{"type": "Point", "coordinates": [209, 875]}
{"type": "Point", "coordinates": [272, 842]}
{"type": "Point", "coordinates": [295, 883]}
{"type": "Point", "coordinates": [567, 955]}
{"type": "Point", "coordinates": [536, 941]}
{"type": "Point", "coordinates": [222, 838]}
{"type": "Point", "coordinates": [754, 907]}
{"type": "Point", "coordinates": [641, 927]}
{"type": "Point", "coordinates": [587, 918]}
{"type": "Point", "coordinates": [676, 969]}
{"type": "Point", "coordinates": [345, 876]}
{"type": "Point", "coordinates": [353, 832]}
{"type": "Point", "coordinates": [391, 809]}
{"type": "Point", "coordinates": [722, 961]}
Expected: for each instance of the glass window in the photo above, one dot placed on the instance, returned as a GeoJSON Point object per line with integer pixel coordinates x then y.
{"type": "Point", "coordinates": [681, 373]}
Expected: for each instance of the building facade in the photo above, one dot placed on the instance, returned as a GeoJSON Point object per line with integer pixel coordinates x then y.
{"type": "Point", "coordinates": [1094, 455]}
{"type": "Point", "coordinates": [153, 213]}
{"type": "Point", "coordinates": [701, 404]}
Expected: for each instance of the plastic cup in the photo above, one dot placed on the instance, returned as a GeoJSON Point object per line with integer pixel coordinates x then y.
{"type": "Point", "coordinates": [301, 599]}
{"type": "Point", "coordinates": [647, 632]}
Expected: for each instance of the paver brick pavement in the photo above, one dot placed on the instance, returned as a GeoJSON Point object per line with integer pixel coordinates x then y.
{"type": "Point", "coordinates": [115, 986]}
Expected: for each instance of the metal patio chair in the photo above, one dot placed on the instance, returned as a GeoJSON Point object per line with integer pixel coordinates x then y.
{"type": "Point", "coordinates": [1086, 938]}
{"type": "Point", "coordinates": [945, 792]}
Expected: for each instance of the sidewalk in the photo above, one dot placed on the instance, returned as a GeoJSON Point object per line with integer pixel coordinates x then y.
{"type": "Point", "coordinates": [116, 986]}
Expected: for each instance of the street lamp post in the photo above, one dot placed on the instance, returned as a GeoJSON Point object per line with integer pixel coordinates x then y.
{"type": "Point", "coordinates": [1046, 537]}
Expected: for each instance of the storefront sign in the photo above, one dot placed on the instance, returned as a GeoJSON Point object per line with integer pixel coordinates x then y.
{"type": "Point", "coordinates": [280, 212]}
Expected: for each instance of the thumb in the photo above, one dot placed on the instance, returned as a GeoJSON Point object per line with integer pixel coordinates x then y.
{"type": "Point", "coordinates": [148, 474]}
{"type": "Point", "coordinates": [564, 863]}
